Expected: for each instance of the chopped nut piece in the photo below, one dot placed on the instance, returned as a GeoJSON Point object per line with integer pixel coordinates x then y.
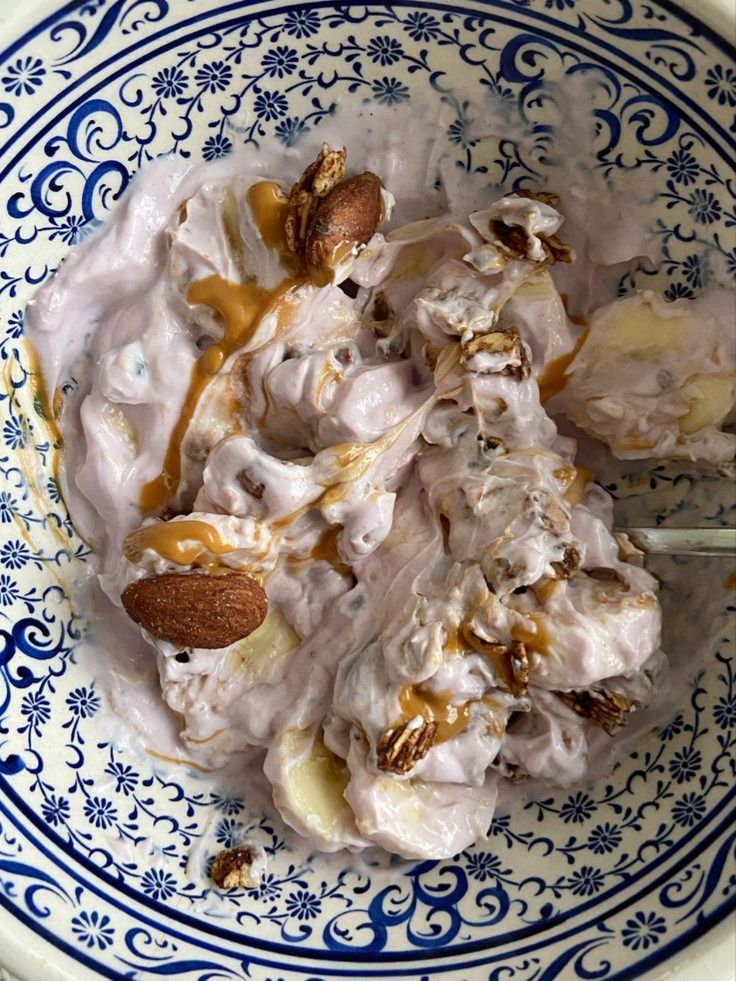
{"type": "Point", "coordinates": [491, 446]}
{"type": "Point", "coordinates": [253, 487]}
{"type": "Point", "coordinates": [519, 664]}
{"type": "Point", "coordinates": [545, 509]}
{"type": "Point", "coordinates": [569, 564]}
{"type": "Point", "coordinates": [607, 710]}
{"type": "Point", "coordinates": [560, 251]}
{"type": "Point", "coordinates": [233, 869]}
{"type": "Point", "coordinates": [496, 351]}
{"type": "Point", "coordinates": [509, 771]}
{"type": "Point", "coordinates": [510, 663]}
{"type": "Point", "coordinates": [381, 310]}
{"type": "Point", "coordinates": [399, 748]}
{"type": "Point", "coordinates": [512, 239]}
{"type": "Point", "coordinates": [343, 219]}
{"type": "Point", "coordinates": [318, 179]}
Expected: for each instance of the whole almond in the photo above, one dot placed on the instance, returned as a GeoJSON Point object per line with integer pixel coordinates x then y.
{"type": "Point", "coordinates": [350, 212]}
{"type": "Point", "coordinates": [197, 610]}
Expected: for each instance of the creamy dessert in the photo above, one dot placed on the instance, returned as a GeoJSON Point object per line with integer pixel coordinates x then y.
{"type": "Point", "coordinates": [656, 379]}
{"type": "Point", "coordinates": [311, 450]}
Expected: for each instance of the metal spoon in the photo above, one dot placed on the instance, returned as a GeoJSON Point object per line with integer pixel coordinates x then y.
{"type": "Point", "coordinates": [684, 541]}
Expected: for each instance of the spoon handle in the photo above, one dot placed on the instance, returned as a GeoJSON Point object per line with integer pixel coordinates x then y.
{"type": "Point", "coordinates": [684, 541]}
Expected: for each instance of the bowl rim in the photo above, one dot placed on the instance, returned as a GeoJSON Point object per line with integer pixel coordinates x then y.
{"type": "Point", "coordinates": [29, 956]}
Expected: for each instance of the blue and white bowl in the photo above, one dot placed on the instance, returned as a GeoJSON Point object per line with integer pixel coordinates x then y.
{"type": "Point", "coordinates": [95, 841]}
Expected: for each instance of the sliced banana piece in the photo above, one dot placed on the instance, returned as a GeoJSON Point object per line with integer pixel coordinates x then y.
{"type": "Point", "coordinates": [656, 379]}
{"type": "Point", "coordinates": [259, 652]}
{"type": "Point", "coordinates": [416, 818]}
{"type": "Point", "coordinates": [639, 331]}
{"type": "Point", "coordinates": [712, 400]}
{"type": "Point", "coordinates": [308, 789]}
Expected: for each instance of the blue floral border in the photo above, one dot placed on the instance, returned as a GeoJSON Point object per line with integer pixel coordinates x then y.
{"type": "Point", "coordinates": [645, 921]}
{"type": "Point", "coordinates": [643, 930]}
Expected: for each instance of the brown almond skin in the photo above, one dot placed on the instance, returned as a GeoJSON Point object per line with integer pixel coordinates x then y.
{"type": "Point", "coordinates": [197, 610]}
{"type": "Point", "coordinates": [350, 212]}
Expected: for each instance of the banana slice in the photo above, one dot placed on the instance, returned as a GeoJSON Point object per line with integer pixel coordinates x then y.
{"type": "Point", "coordinates": [416, 818]}
{"type": "Point", "coordinates": [639, 331]}
{"type": "Point", "coordinates": [308, 789]}
{"type": "Point", "coordinates": [259, 652]}
{"type": "Point", "coordinates": [540, 287]}
{"type": "Point", "coordinates": [713, 397]}
{"type": "Point", "coordinates": [656, 379]}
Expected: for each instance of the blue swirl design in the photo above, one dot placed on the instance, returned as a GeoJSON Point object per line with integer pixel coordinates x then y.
{"type": "Point", "coordinates": [93, 131]}
{"type": "Point", "coordinates": [666, 49]}
{"type": "Point", "coordinates": [550, 893]}
{"type": "Point", "coordinates": [126, 15]}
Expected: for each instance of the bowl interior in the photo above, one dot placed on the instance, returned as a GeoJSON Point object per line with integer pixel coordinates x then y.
{"type": "Point", "coordinates": [105, 845]}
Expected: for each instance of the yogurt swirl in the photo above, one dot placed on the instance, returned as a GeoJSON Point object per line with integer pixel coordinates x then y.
{"type": "Point", "coordinates": [440, 574]}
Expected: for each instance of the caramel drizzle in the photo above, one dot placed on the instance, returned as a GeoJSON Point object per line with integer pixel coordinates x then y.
{"type": "Point", "coordinates": [553, 377]}
{"type": "Point", "coordinates": [240, 307]}
{"type": "Point", "coordinates": [269, 208]}
{"type": "Point", "coordinates": [326, 550]}
{"type": "Point", "coordinates": [494, 652]}
{"type": "Point", "coordinates": [576, 479]}
{"type": "Point", "coordinates": [434, 707]}
{"type": "Point", "coordinates": [538, 640]}
{"type": "Point", "coordinates": [181, 761]}
{"type": "Point", "coordinates": [188, 542]}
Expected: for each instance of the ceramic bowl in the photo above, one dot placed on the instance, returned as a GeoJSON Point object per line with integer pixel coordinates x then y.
{"type": "Point", "coordinates": [96, 840]}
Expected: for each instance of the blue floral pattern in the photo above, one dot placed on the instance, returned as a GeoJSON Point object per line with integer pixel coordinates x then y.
{"type": "Point", "coordinates": [720, 84]}
{"type": "Point", "coordinates": [24, 76]}
{"type": "Point", "coordinates": [644, 930]}
{"type": "Point", "coordinates": [126, 825]}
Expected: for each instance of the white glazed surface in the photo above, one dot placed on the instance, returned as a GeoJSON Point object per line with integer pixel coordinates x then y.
{"type": "Point", "coordinates": [683, 516]}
